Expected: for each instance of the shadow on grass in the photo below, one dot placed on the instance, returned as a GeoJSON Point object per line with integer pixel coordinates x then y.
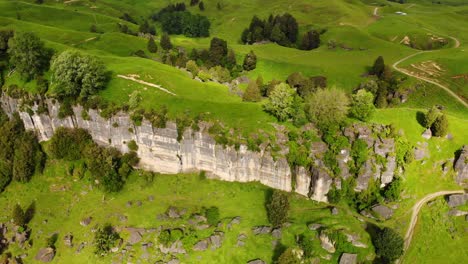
{"type": "Point", "coordinates": [420, 118]}
{"type": "Point", "coordinates": [279, 249]}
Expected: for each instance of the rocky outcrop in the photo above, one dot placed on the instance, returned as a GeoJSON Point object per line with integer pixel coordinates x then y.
{"type": "Point", "coordinates": [461, 166]}
{"type": "Point", "coordinates": [160, 151]}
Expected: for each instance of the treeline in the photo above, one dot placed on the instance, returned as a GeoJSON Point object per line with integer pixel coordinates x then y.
{"type": "Point", "coordinates": [175, 19]}
{"type": "Point", "coordinates": [21, 155]}
{"type": "Point", "coordinates": [281, 29]}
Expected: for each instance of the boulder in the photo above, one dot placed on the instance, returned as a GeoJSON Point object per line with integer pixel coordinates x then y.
{"type": "Point", "coordinates": [421, 151]}
{"type": "Point", "coordinates": [136, 234]}
{"type": "Point", "coordinates": [276, 233]}
{"type": "Point", "coordinates": [326, 243]}
{"type": "Point", "coordinates": [45, 254]}
{"type": "Point", "coordinates": [455, 200]}
{"type": "Point", "coordinates": [173, 213]}
{"type": "Point", "coordinates": [201, 245]}
{"type": "Point", "coordinates": [80, 247]}
{"type": "Point", "coordinates": [461, 166]}
{"type": "Point", "coordinates": [216, 240]}
{"type": "Point", "coordinates": [256, 261]}
{"type": "Point", "coordinates": [236, 220]}
{"type": "Point", "coordinates": [173, 261]}
{"type": "Point", "coordinates": [334, 211]}
{"type": "Point", "coordinates": [347, 258]}
{"type": "Point", "coordinates": [383, 211]}
{"type": "Point", "coordinates": [427, 134]}
{"type": "Point", "coordinates": [314, 226]}
{"type": "Point", "coordinates": [68, 240]}
{"type": "Point", "coordinates": [86, 221]}
{"type": "Point", "coordinates": [261, 230]}
{"type": "Point", "coordinates": [455, 212]}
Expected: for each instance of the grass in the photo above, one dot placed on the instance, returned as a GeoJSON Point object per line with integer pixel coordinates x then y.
{"type": "Point", "coordinates": [63, 210]}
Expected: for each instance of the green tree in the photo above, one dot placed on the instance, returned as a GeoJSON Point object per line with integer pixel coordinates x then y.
{"type": "Point", "coordinates": [201, 6]}
{"type": "Point", "coordinates": [18, 216]}
{"type": "Point", "coordinates": [327, 107]}
{"type": "Point", "coordinates": [280, 102]}
{"type": "Point", "coordinates": [192, 67]}
{"type": "Point", "coordinates": [362, 106]}
{"type": "Point", "coordinates": [388, 244]}
{"type": "Point", "coordinates": [310, 40]}
{"type": "Point", "coordinates": [218, 51]}
{"type": "Point", "coordinates": [440, 127]}
{"type": "Point", "coordinates": [250, 61]}
{"type": "Point", "coordinates": [152, 47]}
{"type": "Point", "coordinates": [165, 41]}
{"type": "Point", "coordinates": [24, 157]}
{"type": "Point", "coordinates": [252, 93]}
{"type": "Point", "coordinates": [431, 116]}
{"type": "Point", "coordinates": [28, 54]}
{"type": "Point", "coordinates": [278, 208]}
{"type": "Point", "coordinates": [379, 67]}
{"type": "Point", "coordinates": [75, 74]}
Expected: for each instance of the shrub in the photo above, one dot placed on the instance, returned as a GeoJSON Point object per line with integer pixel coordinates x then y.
{"type": "Point", "coordinates": [388, 244]}
{"type": "Point", "coordinates": [252, 93]}
{"type": "Point", "coordinates": [104, 239]}
{"type": "Point", "coordinates": [164, 237]}
{"type": "Point", "coordinates": [307, 245]}
{"type": "Point", "coordinates": [68, 143]}
{"type": "Point", "coordinates": [212, 215]}
{"type": "Point", "coordinates": [362, 106]}
{"type": "Point", "coordinates": [278, 208]}
{"type": "Point", "coordinates": [431, 116]}
{"type": "Point", "coordinates": [250, 61]}
{"type": "Point", "coordinates": [290, 256]}
{"type": "Point", "coordinates": [192, 67]}
{"type": "Point", "coordinates": [132, 145]}
{"type": "Point", "coordinates": [152, 47]}
{"type": "Point", "coordinates": [392, 190]}
{"type": "Point", "coordinates": [165, 41]}
{"type": "Point", "coordinates": [440, 127]}
{"type": "Point", "coordinates": [359, 152]}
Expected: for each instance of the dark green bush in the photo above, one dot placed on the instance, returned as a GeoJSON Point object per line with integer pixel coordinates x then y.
{"type": "Point", "coordinates": [212, 215]}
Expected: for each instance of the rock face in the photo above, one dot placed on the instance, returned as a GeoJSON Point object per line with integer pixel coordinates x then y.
{"type": "Point", "coordinates": [383, 211]}
{"type": "Point", "coordinates": [160, 151]}
{"type": "Point", "coordinates": [457, 200]}
{"type": "Point", "coordinates": [461, 166]}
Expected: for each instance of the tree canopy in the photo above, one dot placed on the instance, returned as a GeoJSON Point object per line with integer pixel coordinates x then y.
{"type": "Point", "coordinates": [327, 107]}
{"type": "Point", "coordinates": [75, 74]}
{"type": "Point", "coordinates": [280, 102]}
{"type": "Point", "coordinates": [362, 106]}
{"type": "Point", "coordinates": [28, 54]}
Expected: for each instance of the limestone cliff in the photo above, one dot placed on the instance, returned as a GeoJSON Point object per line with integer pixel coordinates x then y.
{"type": "Point", "coordinates": [160, 151]}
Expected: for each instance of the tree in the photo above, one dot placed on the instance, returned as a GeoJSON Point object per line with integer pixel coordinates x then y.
{"type": "Point", "coordinates": [192, 67]}
{"type": "Point", "coordinates": [280, 102]}
{"type": "Point", "coordinates": [134, 100]}
{"type": "Point", "coordinates": [152, 47]}
{"type": "Point", "coordinates": [327, 107]}
{"type": "Point", "coordinates": [201, 6]}
{"type": "Point", "coordinates": [230, 61]}
{"type": "Point", "coordinates": [431, 116]}
{"type": "Point", "coordinates": [290, 256]}
{"type": "Point", "coordinates": [252, 93]}
{"type": "Point", "coordinates": [218, 51]}
{"type": "Point", "coordinates": [24, 157]}
{"type": "Point", "coordinates": [28, 54]}
{"type": "Point", "coordinates": [304, 86]}
{"type": "Point", "coordinates": [310, 40]}
{"type": "Point", "coordinates": [440, 126]}
{"type": "Point", "coordinates": [75, 74]}
{"type": "Point", "coordinates": [104, 239]}
{"type": "Point", "coordinates": [165, 41]}
{"type": "Point", "coordinates": [18, 216]}
{"type": "Point", "coordinates": [379, 67]}
{"type": "Point", "coordinates": [250, 61]}
{"type": "Point", "coordinates": [278, 208]}
{"type": "Point", "coordinates": [388, 244]}
{"type": "Point", "coordinates": [146, 28]}
{"type": "Point", "coordinates": [362, 106]}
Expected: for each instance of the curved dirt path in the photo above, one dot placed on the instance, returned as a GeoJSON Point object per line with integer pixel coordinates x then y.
{"type": "Point", "coordinates": [454, 95]}
{"type": "Point", "coordinates": [376, 10]}
{"type": "Point", "coordinates": [415, 212]}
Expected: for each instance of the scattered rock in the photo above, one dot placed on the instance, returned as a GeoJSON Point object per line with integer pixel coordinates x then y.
{"type": "Point", "coordinates": [421, 151]}
{"type": "Point", "coordinates": [427, 134]}
{"type": "Point", "coordinates": [174, 261]}
{"type": "Point", "coordinates": [256, 261]}
{"type": "Point", "coordinates": [138, 203]}
{"type": "Point", "coordinates": [68, 240]}
{"type": "Point", "coordinates": [276, 233]}
{"type": "Point", "coordinates": [151, 198]}
{"type": "Point", "coordinates": [80, 247]}
{"type": "Point", "coordinates": [201, 245]}
{"type": "Point", "coordinates": [326, 243]}
{"type": "Point", "coordinates": [21, 237]}
{"type": "Point", "coordinates": [136, 234]}
{"type": "Point", "coordinates": [347, 258]}
{"type": "Point", "coordinates": [123, 218]}
{"type": "Point", "coordinates": [86, 221]}
{"type": "Point", "coordinates": [235, 221]}
{"type": "Point", "coordinates": [455, 200]}
{"type": "Point", "coordinates": [216, 240]}
{"type": "Point", "coordinates": [455, 212]}
{"type": "Point", "coordinates": [261, 230]}
{"type": "Point", "coordinates": [461, 166]}
{"type": "Point", "coordinates": [334, 211]}
{"type": "Point", "coordinates": [202, 227]}
{"type": "Point", "coordinates": [129, 204]}
{"type": "Point", "coordinates": [383, 211]}
{"type": "Point", "coordinates": [45, 254]}
{"type": "Point", "coordinates": [449, 136]}
{"type": "Point", "coordinates": [314, 227]}
{"type": "Point", "coordinates": [176, 248]}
